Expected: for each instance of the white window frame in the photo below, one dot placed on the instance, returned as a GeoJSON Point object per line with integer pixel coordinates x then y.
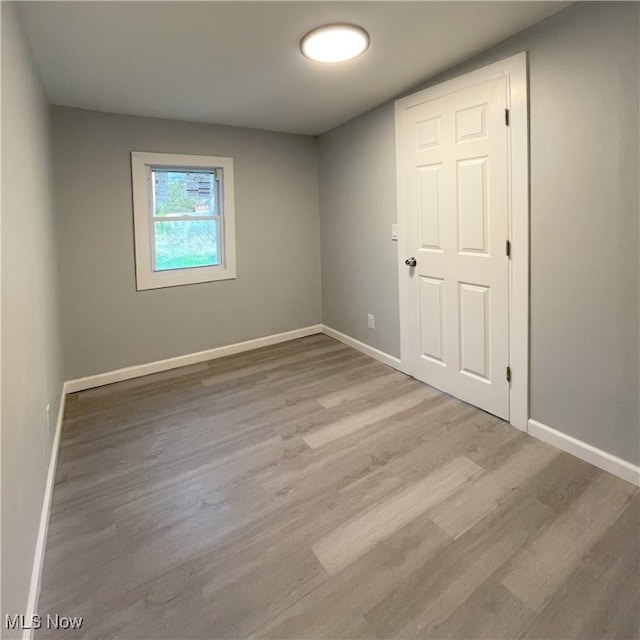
{"type": "Point", "coordinates": [142, 163]}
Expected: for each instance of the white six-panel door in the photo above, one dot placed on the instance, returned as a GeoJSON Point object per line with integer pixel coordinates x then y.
{"type": "Point", "coordinates": [453, 165]}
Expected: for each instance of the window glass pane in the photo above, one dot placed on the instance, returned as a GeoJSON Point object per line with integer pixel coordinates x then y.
{"type": "Point", "coordinates": [183, 193]}
{"type": "Point", "coordinates": [180, 244]}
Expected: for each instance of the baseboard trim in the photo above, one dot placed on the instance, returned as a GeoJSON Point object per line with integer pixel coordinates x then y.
{"type": "Point", "coordinates": [586, 452]}
{"type": "Point", "coordinates": [392, 361]}
{"type": "Point", "coordinates": [41, 542]}
{"type": "Point", "coordinates": [127, 373]}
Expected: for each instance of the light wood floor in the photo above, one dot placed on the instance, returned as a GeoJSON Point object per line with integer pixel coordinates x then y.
{"type": "Point", "coordinates": [306, 491]}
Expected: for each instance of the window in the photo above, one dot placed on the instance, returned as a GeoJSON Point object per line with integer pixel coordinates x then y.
{"type": "Point", "coordinates": [183, 211]}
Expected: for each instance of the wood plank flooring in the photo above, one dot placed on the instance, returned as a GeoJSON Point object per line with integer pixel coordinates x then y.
{"type": "Point", "coordinates": [304, 490]}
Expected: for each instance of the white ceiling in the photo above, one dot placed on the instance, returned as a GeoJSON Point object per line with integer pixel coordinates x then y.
{"type": "Point", "coordinates": [238, 63]}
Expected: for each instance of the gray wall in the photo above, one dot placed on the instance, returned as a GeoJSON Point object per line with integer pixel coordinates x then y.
{"type": "Point", "coordinates": [107, 324]}
{"type": "Point", "coordinates": [358, 206]}
{"type": "Point", "coordinates": [584, 222]}
{"type": "Point", "coordinates": [31, 357]}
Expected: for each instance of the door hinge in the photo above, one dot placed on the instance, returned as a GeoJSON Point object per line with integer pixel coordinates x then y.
{"type": "Point", "coordinates": [508, 248]}
{"type": "Point", "coordinates": [506, 117]}
{"type": "Point", "coordinates": [508, 374]}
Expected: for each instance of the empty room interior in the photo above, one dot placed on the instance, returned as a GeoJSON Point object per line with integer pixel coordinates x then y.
{"type": "Point", "coordinates": [320, 320]}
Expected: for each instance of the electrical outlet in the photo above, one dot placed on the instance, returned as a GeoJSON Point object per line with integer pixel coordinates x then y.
{"type": "Point", "coordinates": [371, 321]}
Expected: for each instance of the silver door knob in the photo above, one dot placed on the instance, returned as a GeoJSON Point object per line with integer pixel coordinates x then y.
{"type": "Point", "coordinates": [410, 262]}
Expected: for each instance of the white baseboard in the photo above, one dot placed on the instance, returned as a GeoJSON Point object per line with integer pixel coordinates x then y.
{"type": "Point", "coordinates": [89, 382]}
{"type": "Point", "coordinates": [41, 542]}
{"type": "Point", "coordinates": [587, 452]}
{"type": "Point", "coordinates": [392, 361]}
{"type": "Point", "coordinates": [136, 371]}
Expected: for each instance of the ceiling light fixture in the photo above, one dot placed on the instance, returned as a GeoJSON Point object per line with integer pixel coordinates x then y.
{"type": "Point", "coordinates": [335, 43]}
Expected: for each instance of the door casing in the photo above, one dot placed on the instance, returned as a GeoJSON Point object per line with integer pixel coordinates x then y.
{"type": "Point", "coordinates": [514, 70]}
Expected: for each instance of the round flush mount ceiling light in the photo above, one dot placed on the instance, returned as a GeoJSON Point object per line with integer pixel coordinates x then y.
{"type": "Point", "coordinates": [335, 43]}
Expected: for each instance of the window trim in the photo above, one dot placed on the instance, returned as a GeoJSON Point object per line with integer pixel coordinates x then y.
{"type": "Point", "coordinates": [141, 165]}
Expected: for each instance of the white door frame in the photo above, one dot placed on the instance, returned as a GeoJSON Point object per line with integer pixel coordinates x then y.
{"type": "Point", "coordinates": [514, 69]}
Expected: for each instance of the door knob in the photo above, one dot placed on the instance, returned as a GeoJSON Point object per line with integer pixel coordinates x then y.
{"type": "Point", "coordinates": [410, 262]}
